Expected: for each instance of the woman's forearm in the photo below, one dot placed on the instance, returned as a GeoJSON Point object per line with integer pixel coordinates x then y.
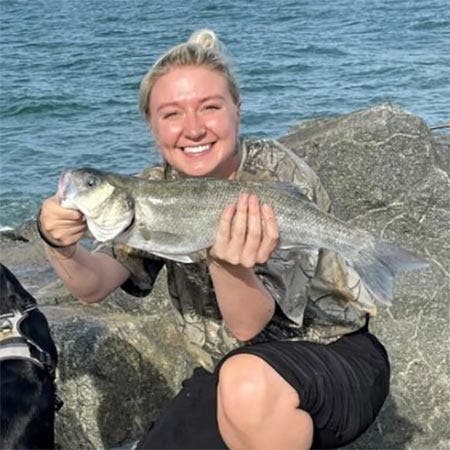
{"type": "Point", "coordinates": [244, 302]}
{"type": "Point", "coordinates": [90, 277]}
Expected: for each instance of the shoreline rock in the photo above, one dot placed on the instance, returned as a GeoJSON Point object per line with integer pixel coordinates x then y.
{"type": "Point", "coordinates": [385, 171]}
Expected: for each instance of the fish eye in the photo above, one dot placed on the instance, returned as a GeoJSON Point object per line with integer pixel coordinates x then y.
{"type": "Point", "coordinates": [91, 181]}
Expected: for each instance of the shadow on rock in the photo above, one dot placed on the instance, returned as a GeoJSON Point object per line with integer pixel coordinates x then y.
{"type": "Point", "coordinates": [133, 407]}
{"type": "Point", "coordinates": [389, 431]}
{"type": "Point", "coordinates": [107, 382]}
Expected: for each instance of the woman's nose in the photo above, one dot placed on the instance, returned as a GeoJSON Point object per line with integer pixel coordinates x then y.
{"type": "Point", "coordinates": [194, 127]}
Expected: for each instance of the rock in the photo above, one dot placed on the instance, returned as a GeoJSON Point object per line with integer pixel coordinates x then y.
{"type": "Point", "coordinates": [116, 371]}
{"type": "Point", "coordinates": [385, 171]}
{"type": "Point", "coordinates": [119, 361]}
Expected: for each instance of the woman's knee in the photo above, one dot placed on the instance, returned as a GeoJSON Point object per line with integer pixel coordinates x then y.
{"type": "Point", "coordinates": [243, 389]}
{"type": "Point", "coordinates": [249, 388]}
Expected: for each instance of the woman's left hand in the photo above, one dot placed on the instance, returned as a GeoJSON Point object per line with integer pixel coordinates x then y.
{"type": "Point", "coordinates": [247, 233]}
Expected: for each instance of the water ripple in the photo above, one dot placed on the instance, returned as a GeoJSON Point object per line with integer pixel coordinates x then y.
{"type": "Point", "coordinates": [71, 70]}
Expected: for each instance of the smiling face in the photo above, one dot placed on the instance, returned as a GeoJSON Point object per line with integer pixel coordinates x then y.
{"type": "Point", "coordinates": [195, 122]}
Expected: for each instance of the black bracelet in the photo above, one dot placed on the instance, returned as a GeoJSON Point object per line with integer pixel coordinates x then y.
{"type": "Point", "coordinates": [44, 237]}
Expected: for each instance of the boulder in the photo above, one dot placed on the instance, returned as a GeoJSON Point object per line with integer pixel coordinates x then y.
{"type": "Point", "coordinates": [120, 361]}
{"type": "Point", "coordinates": [387, 172]}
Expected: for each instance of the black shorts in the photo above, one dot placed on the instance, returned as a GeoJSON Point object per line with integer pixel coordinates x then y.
{"type": "Point", "coordinates": [341, 385]}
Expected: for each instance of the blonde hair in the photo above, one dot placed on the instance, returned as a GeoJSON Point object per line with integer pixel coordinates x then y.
{"type": "Point", "coordinates": [204, 49]}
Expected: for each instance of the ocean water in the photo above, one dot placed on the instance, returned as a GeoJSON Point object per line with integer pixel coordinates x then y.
{"type": "Point", "coordinates": [70, 72]}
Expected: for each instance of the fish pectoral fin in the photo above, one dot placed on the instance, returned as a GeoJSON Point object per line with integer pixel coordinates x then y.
{"type": "Point", "coordinates": [299, 246]}
{"type": "Point", "coordinates": [173, 246]}
{"type": "Point", "coordinates": [187, 259]}
{"type": "Point", "coordinates": [291, 188]}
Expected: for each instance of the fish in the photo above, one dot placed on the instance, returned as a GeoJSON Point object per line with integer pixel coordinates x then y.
{"type": "Point", "coordinates": [177, 219]}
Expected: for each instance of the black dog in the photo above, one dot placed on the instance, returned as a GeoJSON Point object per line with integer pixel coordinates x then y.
{"type": "Point", "coordinates": [28, 359]}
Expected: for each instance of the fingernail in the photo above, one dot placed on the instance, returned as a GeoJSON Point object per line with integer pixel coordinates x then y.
{"type": "Point", "coordinates": [243, 196]}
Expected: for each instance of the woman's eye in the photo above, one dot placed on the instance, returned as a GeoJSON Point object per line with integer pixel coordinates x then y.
{"type": "Point", "coordinates": [170, 114]}
{"type": "Point", "coordinates": [212, 107]}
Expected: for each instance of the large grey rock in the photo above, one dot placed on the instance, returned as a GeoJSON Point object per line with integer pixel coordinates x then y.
{"type": "Point", "coordinates": [388, 173]}
{"type": "Point", "coordinates": [119, 362]}
{"type": "Point", "coordinates": [122, 360]}
{"type": "Point", "coordinates": [116, 371]}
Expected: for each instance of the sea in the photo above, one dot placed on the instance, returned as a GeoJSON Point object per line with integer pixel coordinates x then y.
{"type": "Point", "coordinates": [70, 71]}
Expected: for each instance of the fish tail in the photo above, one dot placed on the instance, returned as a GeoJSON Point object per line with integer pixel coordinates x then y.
{"type": "Point", "coordinates": [380, 262]}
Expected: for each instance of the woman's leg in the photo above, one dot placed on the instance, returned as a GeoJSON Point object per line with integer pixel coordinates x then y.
{"type": "Point", "coordinates": [258, 409]}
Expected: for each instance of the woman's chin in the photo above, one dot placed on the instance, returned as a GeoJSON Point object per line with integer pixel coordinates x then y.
{"type": "Point", "coordinates": [197, 168]}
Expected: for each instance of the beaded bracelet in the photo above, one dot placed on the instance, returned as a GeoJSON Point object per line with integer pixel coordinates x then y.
{"type": "Point", "coordinates": [44, 237]}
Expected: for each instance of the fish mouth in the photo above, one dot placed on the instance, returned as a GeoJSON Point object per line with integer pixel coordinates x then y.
{"type": "Point", "coordinates": [66, 188]}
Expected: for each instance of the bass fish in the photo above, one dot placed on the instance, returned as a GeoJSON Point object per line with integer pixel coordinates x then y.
{"type": "Point", "coordinates": [178, 219]}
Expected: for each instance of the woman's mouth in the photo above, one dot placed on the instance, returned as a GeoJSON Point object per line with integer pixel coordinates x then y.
{"type": "Point", "coordinates": [197, 149]}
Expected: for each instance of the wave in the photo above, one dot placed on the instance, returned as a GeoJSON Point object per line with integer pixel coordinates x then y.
{"type": "Point", "coordinates": [49, 107]}
{"type": "Point", "coordinates": [313, 49]}
{"type": "Point", "coordinates": [428, 25]}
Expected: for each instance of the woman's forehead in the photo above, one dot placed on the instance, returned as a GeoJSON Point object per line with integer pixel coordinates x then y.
{"type": "Point", "coordinates": [189, 82]}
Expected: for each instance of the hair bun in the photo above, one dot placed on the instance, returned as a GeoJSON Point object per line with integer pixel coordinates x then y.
{"type": "Point", "coordinates": [206, 38]}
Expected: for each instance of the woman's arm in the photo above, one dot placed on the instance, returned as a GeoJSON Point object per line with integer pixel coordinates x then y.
{"type": "Point", "coordinates": [247, 235]}
{"type": "Point", "coordinates": [89, 276]}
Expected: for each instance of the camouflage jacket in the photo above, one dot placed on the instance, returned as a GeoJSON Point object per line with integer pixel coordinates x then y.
{"type": "Point", "coordinates": [318, 297]}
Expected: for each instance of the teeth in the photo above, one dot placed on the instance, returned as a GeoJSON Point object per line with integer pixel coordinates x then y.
{"type": "Point", "coordinates": [197, 149]}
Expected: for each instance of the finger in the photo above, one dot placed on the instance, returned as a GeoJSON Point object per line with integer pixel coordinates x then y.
{"type": "Point", "coordinates": [73, 214]}
{"type": "Point", "coordinates": [270, 234]}
{"type": "Point", "coordinates": [239, 226]}
{"type": "Point", "coordinates": [51, 210]}
{"type": "Point", "coordinates": [223, 233]}
{"type": "Point", "coordinates": [254, 233]}
{"type": "Point", "coordinates": [78, 233]}
{"type": "Point", "coordinates": [57, 228]}
{"type": "Point", "coordinates": [69, 223]}
{"type": "Point", "coordinates": [68, 214]}
{"type": "Point", "coordinates": [68, 235]}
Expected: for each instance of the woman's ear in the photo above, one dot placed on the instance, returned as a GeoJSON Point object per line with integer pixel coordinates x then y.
{"type": "Point", "coordinates": [238, 113]}
{"type": "Point", "coordinates": [151, 128]}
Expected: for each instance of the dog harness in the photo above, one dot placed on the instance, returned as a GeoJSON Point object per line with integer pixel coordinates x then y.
{"type": "Point", "coordinates": [15, 345]}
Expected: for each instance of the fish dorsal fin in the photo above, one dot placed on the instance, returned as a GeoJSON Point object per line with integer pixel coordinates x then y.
{"type": "Point", "coordinates": [290, 188]}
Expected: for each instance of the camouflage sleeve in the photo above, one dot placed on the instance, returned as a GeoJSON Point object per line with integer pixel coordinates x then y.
{"type": "Point", "coordinates": [152, 173]}
{"type": "Point", "coordinates": [144, 269]}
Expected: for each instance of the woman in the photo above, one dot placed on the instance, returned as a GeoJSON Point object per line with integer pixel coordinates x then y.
{"type": "Point", "coordinates": [282, 334]}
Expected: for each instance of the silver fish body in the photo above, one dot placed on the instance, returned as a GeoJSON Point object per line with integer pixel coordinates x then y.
{"type": "Point", "coordinates": [177, 219]}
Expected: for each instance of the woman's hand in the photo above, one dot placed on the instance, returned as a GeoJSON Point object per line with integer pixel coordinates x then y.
{"type": "Point", "coordinates": [247, 233]}
{"type": "Point", "coordinates": [61, 226]}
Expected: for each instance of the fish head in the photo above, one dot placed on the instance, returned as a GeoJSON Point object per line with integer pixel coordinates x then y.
{"type": "Point", "coordinates": [108, 208]}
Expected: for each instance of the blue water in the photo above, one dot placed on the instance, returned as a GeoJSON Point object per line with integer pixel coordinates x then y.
{"type": "Point", "coordinates": [70, 72]}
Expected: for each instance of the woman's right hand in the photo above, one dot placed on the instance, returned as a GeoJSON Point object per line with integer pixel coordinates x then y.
{"type": "Point", "coordinates": [89, 276]}
{"type": "Point", "coordinates": [62, 226]}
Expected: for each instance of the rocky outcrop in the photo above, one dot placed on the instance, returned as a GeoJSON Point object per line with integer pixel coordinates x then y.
{"type": "Point", "coordinates": [385, 171]}
{"type": "Point", "coordinates": [119, 361]}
